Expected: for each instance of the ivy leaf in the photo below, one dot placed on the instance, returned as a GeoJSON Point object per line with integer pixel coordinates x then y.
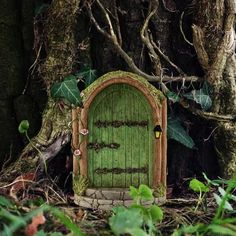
{"type": "Point", "coordinates": [67, 89]}
{"type": "Point", "coordinates": [173, 96]}
{"type": "Point", "coordinates": [156, 213]}
{"type": "Point", "coordinates": [176, 131]}
{"type": "Point", "coordinates": [145, 192]}
{"type": "Point", "coordinates": [88, 75]}
{"type": "Point", "coordinates": [23, 126]}
{"type": "Point", "coordinates": [126, 220]}
{"type": "Point", "coordinates": [198, 186]}
{"type": "Point", "coordinates": [133, 192]}
{"type": "Point", "coordinates": [201, 96]}
{"type": "Point", "coordinates": [137, 232]}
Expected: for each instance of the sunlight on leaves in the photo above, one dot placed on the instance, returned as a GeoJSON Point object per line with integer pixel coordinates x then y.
{"type": "Point", "coordinates": [197, 186]}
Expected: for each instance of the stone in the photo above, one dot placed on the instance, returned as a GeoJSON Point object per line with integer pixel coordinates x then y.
{"type": "Point", "coordinates": [90, 192]}
{"type": "Point", "coordinates": [118, 203]}
{"type": "Point", "coordinates": [128, 202]}
{"type": "Point", "coordinates": [105, 207]}
{"type": "Point", "coordinates": [104, 202]}
{"type": "Point", "coordinates": [160, 200]}
{"type": "Point", "coordinates": [126, 196]}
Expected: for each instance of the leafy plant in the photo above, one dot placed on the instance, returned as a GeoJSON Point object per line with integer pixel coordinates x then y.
{"type": "Point", "coordinates": [136, 220]}
{"type": "Point", "coordinates": [87, 75]}
{"type": "Point", "coordinates": [68, 89]}
{"type": "Point", "coordinates": [23, 129]}
{"type": "Point", "coordinates": [199, 187]}
{"type": "Point", "coordinates": [143, 192]}
{"type": "Point", "coordinates": [220, 224]}
{"type": "Point", "coordinates": [201, 96]}
{"type": "Point", "coordinates": [173, 97]}
{"type": "Point", "coordinates": [176, 131]}
{"type": "Point", "coordinates": [12, 220]}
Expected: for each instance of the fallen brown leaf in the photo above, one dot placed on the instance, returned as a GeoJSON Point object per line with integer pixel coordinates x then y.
{"type": "Point", "coordinates": [32, 228]}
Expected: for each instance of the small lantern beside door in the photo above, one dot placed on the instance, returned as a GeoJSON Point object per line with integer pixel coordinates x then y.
{"type": "Point", "coordinates": [157, 131]}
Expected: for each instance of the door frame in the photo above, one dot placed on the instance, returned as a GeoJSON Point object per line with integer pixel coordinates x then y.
{"type": "Point", "coordinates": [159, 115]}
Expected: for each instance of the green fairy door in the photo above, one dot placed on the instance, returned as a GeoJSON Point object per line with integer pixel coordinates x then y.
{"type": "Point", "coordinates": [120, 146]}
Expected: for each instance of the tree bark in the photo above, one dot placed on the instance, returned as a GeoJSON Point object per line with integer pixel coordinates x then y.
{"type": "Point", "coordinates": [215, 45]}
{"type": "Point", "coordinates": [147, 42]}
{"type": "Point", "coordinates": [61, 49]}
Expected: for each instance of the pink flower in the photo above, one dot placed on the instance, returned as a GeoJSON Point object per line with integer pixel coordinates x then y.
{"type": "Point", "coordinates": [84, 132]}
{"type": "Point", "coordinates": [82, 94]}
{"type": "Point", "coordinates": [77, 152]}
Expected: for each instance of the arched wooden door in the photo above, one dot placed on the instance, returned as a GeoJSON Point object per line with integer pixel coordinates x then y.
{"type": "Point", "coordinates": [121, 140]}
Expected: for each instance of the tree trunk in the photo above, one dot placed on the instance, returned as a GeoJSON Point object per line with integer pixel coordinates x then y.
{"type": "Point", "coordinates": [151, 39]}
{"type": "Point", "coordinates": [56, 121]}
{"type": "Point", "coordinates": [215, 45]}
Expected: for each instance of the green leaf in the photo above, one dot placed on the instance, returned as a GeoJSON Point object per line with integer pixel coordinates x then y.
{"type": "Point", "coordinates": [118, 209]}
{"type": "Point", "coordinates": [66, 221]}
{"type": "Point", "coordinates": [221, 191]}
{"type": "Point", "coordinates": [190, 230]}
{"type": "Point", "coordinates": [126, 220]}
{"type": "Point", "coordinates": [226, 206]}
{"type": "Point", "coordinates": [133, 192]}
{"type": "Point", "coordinates": [173, 96]}
{"type": "Point", "coordinates": [156, 213]}
{"type": "Point", "coordinates": [5, 202]}
{"type": "Point", "coordinates": [201, 96]}
{"type": "Point", "coordinates": [41, 233]}
{"type": "Point", "coordinates": [176, 131]}
{"type": "Point", "coordinates": [145, 192]}
{"type": "Point", "coordinates": [221, 230]}
{"type": "Point", "coordinates": [137, 232]}
{"type": "Point", "coordinates": [198, 186]}
{"type": "Point", "coordinates": [56, 234]}
{"type": "Point", "coordinates": [67, 89]}
{"type": "Point", "coordinates": [88, 75]}
{"type": "Point", "coordinates": [23, 126]}
{"type": "Point", "coordinates": [212, 182]}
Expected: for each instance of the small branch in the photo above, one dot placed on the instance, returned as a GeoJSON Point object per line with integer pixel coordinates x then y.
{"type": "Point", "coordinates": [117, 23]}
{"type": "Point", "coordinates": [207, 115]}
{"type": "Point", "coordinates": [113, 35]}
{"type": "Point", "coordinates": [167, 58]}
{"type": "Point", "coordinates": [198, 42]}
{"type": "Point", "coordinates": [181, 29]}
{"type": "Point", "coordinates": [146, 39]}
{"type": "Point", "coordinates": [129, 60]}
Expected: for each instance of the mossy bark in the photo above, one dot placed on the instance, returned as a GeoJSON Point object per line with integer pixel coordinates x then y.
{"type": "Point", "coordinates": [215, 46]}
{"type": "Point", "coordinates": [59, 62]}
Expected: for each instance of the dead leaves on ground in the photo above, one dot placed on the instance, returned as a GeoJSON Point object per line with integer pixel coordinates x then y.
{"type": "Point", "coordinates": [32, 228]}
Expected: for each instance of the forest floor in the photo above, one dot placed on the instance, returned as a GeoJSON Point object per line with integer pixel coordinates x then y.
{"type": "Point", "coordinates": [177, 211]}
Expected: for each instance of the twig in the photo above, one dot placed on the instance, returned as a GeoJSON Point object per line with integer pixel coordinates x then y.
{"type": "Point", "coordinates": [181, 29]}
{"type": "Point", "coordinates": [127, 58]}
{"type": "Point", "coordinates": [113, 35]}
{"type": "Point", "coordinates": [167, 58]}
{"type": "Point", "coordinates": [212, 132]}
{"type": "Point", "coordinates": [117, 23]}
{"type": "Point", "coordinates": [146, 39]}
{"type": "Point", "coordinates": [17, 181]}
